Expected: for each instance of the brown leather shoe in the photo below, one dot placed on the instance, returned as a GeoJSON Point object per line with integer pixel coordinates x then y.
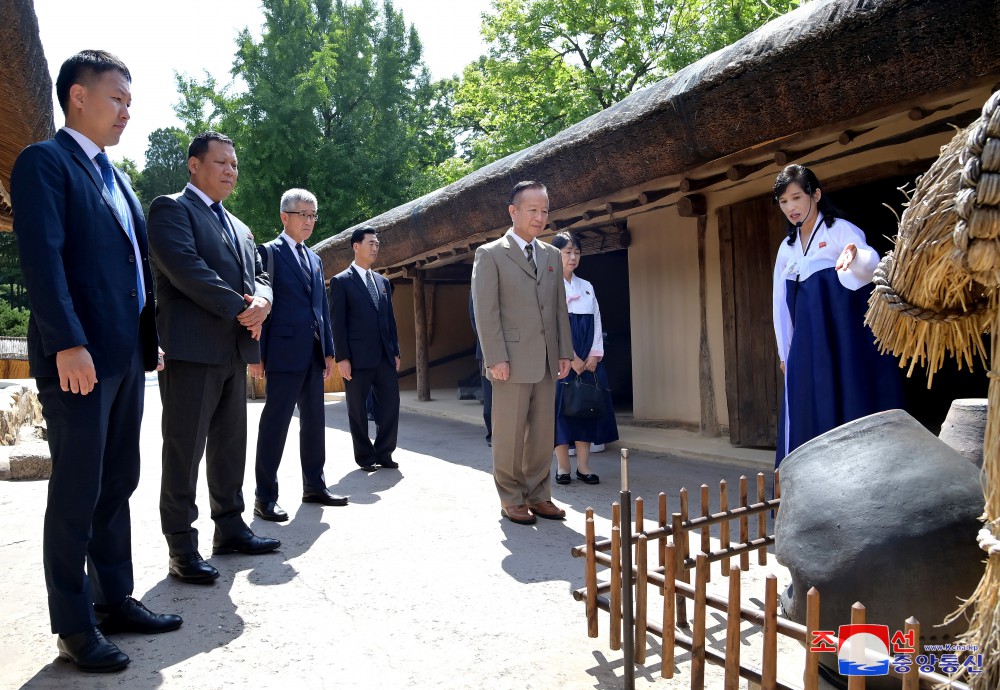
{"type": "Point", "coordinates": [548, 510]}
{"type": "Point", "coordinates": [519, 514]}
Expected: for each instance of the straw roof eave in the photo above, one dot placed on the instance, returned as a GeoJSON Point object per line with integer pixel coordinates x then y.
{"type": "Point", "coordinates": [826, 62]}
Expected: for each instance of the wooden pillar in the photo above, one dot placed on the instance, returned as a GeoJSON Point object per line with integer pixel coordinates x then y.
{"type": "Point", "coordinates": [420, 331]}
{"type": "Point", "coordinates": [709, 416]}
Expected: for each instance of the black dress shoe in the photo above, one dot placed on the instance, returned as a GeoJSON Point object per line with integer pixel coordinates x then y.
{"type": "Point", "coordinates": [191, 567]}
{"type": "Point", "coordinates": [91, 652]}
{"type": "Point", "coordinates": [132, 616]}
{"type": "Point", "coordinates": [588, 478]}
{"type": "Point", "coordinates": [323, 496]}
{"type": "Point", "coordinates": [247, 542]}
{"type": "Point", "coordinates": [388, 463]}
{"type": "Point", "coordinates": [269, 510]}
{"type": "Point", "coordinates": [370, 467]}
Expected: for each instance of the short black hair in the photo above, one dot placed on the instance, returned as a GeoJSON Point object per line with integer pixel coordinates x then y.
{"type": "Point", "coordinates": [566, 237]}
{"type": "Point", "coordinates": [523, 185]}
{"type": "Point", "coordinates": [199, 145]}
{"type": "Point", "coordinates": [82, 68]}
{"type": "Point", "coordinates": [359, 234]}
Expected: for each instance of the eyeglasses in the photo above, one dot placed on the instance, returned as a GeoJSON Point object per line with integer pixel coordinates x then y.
{"type": "Point", "coordinates": [306, 215]}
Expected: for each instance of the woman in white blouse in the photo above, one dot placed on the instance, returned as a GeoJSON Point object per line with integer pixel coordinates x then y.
{"type": "Point", "coordinates": [822, 280]}
{"type": "Point", "coordinates": [588, 355]}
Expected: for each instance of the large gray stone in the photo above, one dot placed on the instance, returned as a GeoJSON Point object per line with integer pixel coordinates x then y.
{"type": "Point", "coordinates": [964, 428]}
{"type": "Point", "coordinates": [882, 512]}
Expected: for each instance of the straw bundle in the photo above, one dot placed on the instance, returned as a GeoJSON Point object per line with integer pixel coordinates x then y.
{"type": "Point", "coordinates": [937, 294]}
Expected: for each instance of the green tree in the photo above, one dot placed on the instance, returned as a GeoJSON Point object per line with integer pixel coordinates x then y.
{"type": "Point", "coordinates": [337, 101]}
{"type": "Point", "coordinates": [552, 63]}
{"type": "Point", "coordinates": [165, 171]}
{"type": "Point", "coordinates": [13, 320]}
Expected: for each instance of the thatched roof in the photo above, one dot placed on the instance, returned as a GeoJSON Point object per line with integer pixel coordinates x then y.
{"type": "Point", "coordinates": [826, 62]}
{"type": "Point", "coordinates": [25, 91]}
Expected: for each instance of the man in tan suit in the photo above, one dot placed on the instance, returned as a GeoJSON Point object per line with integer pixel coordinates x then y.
{"type": "Point", "coordinates": [520, 307]}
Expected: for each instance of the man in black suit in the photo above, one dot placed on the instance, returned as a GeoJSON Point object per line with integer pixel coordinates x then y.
{"type": "Point", "coordinates": [82, 243]}
{"type": "Point", "coordinates": [367, 351]}
{"type": "Point", "coordinates": [212, 297]}
{"type": "Point", "coordinates": [296, 350]}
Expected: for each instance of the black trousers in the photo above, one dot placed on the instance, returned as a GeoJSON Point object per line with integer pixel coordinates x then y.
{"type": "Point", "coordinates": [87, 534]}
{"type": "Point", "coordinates": [383, 383]}
{"type": "Point", "coordinates": [285, 390]}
{"type": "Point", "coordinates": [204, 413]}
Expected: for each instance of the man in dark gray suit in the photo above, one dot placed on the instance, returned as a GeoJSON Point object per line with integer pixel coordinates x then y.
{"type": "Point", "coordinates": [212, 297]}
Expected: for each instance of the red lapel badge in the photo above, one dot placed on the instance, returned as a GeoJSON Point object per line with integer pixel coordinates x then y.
{"type": "Point", "coordinates": [822, 244]}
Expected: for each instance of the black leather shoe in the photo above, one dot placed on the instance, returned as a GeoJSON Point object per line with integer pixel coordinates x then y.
{"type": "Point", "coordinates": [132, 616]}
{"type": "Point", "coordinates": [269, 510]}
{"type": "Point", "coordinates": [248, 543]}
{"type": "Point", "coordinates": [191, 567]}
{"type": "Point", "coordinates": [370, 467]}
{"type": "Point", "coordinates": [325, 497]}
{"type": "Point", "coordinates": [388, 463]}
{"type": "Point", "coordinates": [588, 478]}
{"type": "Point", "coordinates": [91, 652]}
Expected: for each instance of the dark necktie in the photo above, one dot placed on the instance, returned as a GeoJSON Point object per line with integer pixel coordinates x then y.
{"type": "Point", "coordinates": [371, 288]}
{"type": "Point", "coordinates": [529, 250]}
{"type": "Point", "coordinates": [107, 172]}
{"type": "Point", "coordinates": [230, 233]}
{"type": "Point", "coordinates": [304, 264]}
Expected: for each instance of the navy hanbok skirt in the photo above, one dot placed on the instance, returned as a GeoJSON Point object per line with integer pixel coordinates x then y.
{"type": "Point", "coordinates": [571, 429]}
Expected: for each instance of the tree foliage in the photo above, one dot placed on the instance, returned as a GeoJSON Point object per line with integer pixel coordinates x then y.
{"type": "Point", "coordinates": [552, 63]}
{"type": "Point", "coordinates": [165, 171]}
{"type": "Point", "coordinates": [338, 101]}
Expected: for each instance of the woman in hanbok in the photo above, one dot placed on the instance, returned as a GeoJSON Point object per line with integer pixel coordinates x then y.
{"type": "Point", "coordinates": [822, 280]}
{"type": "Point", "coordinates": [588, 355]}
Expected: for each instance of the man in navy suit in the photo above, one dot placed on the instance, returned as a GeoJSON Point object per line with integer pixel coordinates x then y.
{"type": "Point", "coordinates": [82, 243]}
{"type": "Point", "coordinates": [296, 351]}
{"type": "Point", "coordinates": [212, 297]}
{"type": "Point", "coordinates": [367, 351]}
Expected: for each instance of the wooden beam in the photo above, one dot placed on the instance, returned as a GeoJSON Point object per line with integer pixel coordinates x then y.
{"type": "Point", "coordinates": [709, 417]}
{"type": "Point", "coordinates": [693, 185]}
{"type": "Point", "coordinates": [692, 206]}
{"type": "Point", "coordinates": [919, 113]}
{"type": "Point", "coordinates": [739, 171]}
{"type": "Point", "coordinates": [563, 223]}
{"type": "Point", "coordinates": [420, 332]}
{"type": "Point", "coordinates": [619, 206]}
{"type": "Point", "coordinates": [849, 135]}
{"type": "Point", "coordinates": [654, 195]}
{"type": "Point", "coordinates": [783, 158]}
{"type": "Point", "coordinates": [593, 213]}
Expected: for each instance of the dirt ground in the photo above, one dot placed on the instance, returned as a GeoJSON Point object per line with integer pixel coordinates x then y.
{"type": "Point", "coordinates": [418, 583]}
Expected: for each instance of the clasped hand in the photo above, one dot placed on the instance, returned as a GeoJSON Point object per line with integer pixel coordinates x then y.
{"type": "Point", "coordinates": [254, 315]}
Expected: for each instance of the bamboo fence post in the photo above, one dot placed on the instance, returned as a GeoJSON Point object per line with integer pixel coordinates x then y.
{"type": "Point", "coordinates": [662, 523]}
{"type": "Point", "coordinates": [911, 681]}
{"type": "Point", "coordinates": [777, 489]}
{"type": "Point", "coordinates": [640, 599]}
{"type": "Point", "coordinates": [616, 515]}
{"type": "Point", "coordinates": [810, 676]}
{"type": "Point", "coordinates": [733, 632]}
{"type": "Point", "coordinates": [706, 531]}
{"type": "Point", "coordinates": [769, 662]}
{"type": "Point", "coordinates": [591, 576]}
{"type": "Point", "coordinates": [698, 633]}
{"type": "Point", "coordinates": [616, 589]}
{"type": "Point", "coordinates": [744, 525]}
{"type": "Point", "coordinates": [639, 521]}
{"type": "Point", "coordinates": [724, 527]}
{"type": "Point", "coordinates": [761, 519]}
{"type": "Point", "coordinates": [679, 572]}
{"type": "Point", "coordinates": [857, 618]}
{"type": "Point", "coordinates": [667, 640]}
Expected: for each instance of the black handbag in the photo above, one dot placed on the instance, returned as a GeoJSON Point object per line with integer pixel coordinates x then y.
{"type": "Point", "coordinates": [582, 399]}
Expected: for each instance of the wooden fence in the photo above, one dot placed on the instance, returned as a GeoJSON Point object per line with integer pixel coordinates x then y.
{"type": "Point", "coordinates": [671, 576]}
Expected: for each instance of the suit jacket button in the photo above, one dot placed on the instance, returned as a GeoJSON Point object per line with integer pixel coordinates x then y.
{"type": "Point", "coordinates": [131, 258]}
{"type": "Point", "coordinates": [133, 292]}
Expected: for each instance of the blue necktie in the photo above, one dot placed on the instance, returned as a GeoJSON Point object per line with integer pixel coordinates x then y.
{"type": "Point", "coordinates": [304, 264]}
{"type": "Point", "coordinates": [217, 207]}
{"type": "Point", "coordinates": [107, 172]}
